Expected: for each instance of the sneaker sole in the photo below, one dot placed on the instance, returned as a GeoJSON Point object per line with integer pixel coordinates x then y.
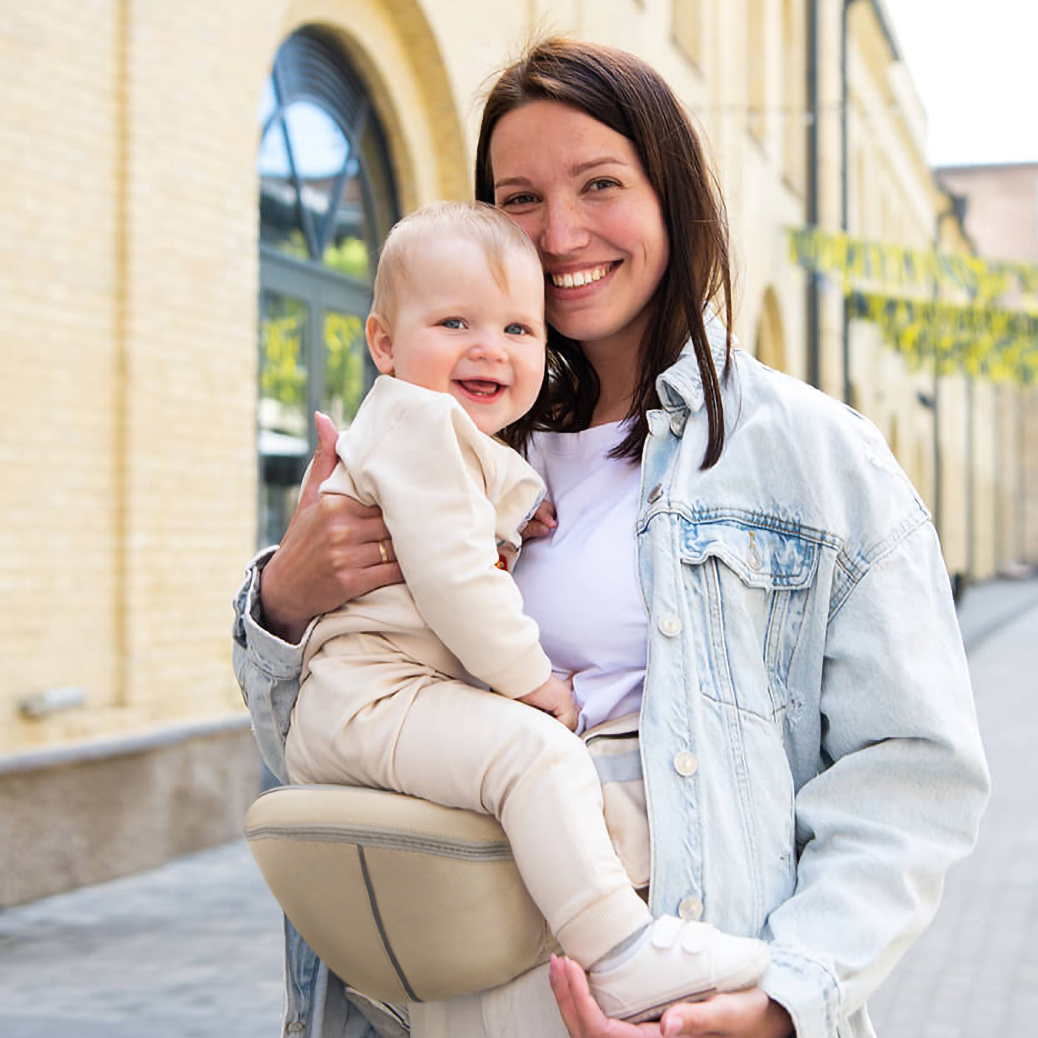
{"type": "Point", "coordinates": [748, 975]}
{"type": "Point", "coordinates": [645, 1016]}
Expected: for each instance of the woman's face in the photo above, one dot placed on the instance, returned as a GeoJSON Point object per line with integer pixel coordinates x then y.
{"type": "Point", "coordinates": [579, 191]}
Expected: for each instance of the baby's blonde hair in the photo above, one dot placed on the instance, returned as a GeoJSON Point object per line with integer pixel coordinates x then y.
{"type": "Point", "coordinates": [478, 222]}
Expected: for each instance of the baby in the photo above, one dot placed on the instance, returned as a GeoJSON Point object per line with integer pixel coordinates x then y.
{"type": "Point", "coordinates": [426, 687]}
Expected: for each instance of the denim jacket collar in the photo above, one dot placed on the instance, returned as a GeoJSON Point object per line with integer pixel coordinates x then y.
{"type": "Point", "coordinates": [681, 386]}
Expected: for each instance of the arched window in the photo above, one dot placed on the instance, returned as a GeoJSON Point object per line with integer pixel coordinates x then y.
{"type": "Point", "coordinates": [327, 200]}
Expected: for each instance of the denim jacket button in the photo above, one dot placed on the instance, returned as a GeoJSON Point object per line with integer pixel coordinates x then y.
{"type": "Point", "coordinates": [685, 763]}
{"type": "Point", "coordinates": [669, 625]}
{"type": "Point", "coordinates": [655, 494]}
{"type": "Point", "coordinates": [754, 560]}
{"type": "Point", "coordinates": [690, 909]}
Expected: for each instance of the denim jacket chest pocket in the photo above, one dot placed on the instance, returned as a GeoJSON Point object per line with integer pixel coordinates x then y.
{"type": "Point", "coordinates": [751, 583]}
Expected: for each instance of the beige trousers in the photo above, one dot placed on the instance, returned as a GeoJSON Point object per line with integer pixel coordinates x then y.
{"type": "Point", "coordinates": [455, 745]}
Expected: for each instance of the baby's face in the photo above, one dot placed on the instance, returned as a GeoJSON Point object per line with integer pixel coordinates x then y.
{"type": "Point", "coordinates": [456, 330]}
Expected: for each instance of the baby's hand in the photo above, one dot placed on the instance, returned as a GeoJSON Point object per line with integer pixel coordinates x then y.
{"type": "Point", "coordinates": [541, 523]}
{"type": "Point", "coordinates": [555, 697]}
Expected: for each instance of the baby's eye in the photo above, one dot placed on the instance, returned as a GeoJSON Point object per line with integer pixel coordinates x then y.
{"type": "Point", "coordinates": [453, 322]}
{"type": "Point", "coordinates": [517, 329]}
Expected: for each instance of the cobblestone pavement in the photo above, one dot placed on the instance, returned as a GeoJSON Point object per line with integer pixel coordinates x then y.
{"type": "Point", "coordinates": [193, 949]}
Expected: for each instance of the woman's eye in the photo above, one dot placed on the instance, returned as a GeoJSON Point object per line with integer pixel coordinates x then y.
{"type": "Point", "coordinates": [603, 184]}
{"type": "Point", "coordinates": [453, 322]}
{"type": "Point", "coordinates": [524, 198]}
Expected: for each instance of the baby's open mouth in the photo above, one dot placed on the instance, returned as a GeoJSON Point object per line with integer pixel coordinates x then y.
{"type": "Point", "coordinates": [481, 388]}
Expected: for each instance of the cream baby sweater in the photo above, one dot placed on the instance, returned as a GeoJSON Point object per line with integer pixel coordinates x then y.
{"type": "Point", "coordinates": [451, 497]}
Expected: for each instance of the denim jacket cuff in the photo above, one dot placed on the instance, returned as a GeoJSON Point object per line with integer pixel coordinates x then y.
{"type": "Point", "coordinates": [806, 989]}
{"type": "Point", "coordinates": [278, 658]}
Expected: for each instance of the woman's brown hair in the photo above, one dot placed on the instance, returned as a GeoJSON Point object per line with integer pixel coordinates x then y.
{"type": "Point", "coordinates": [622, 92]}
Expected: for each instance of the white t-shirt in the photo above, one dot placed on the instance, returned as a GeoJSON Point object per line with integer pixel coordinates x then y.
{"type": "Point", "coordinates": [581, 583]}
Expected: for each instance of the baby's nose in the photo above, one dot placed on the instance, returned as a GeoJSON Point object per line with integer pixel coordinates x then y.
{"type": "Point", "coordinates": [489, 347]}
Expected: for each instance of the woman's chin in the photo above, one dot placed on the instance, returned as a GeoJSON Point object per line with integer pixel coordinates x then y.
{"type": "Point", "coordinates": [597, 324]}
{"type": "Point", "coordinates": [580, 327]}
{"type": "Point", "coordinates": [589, 332]}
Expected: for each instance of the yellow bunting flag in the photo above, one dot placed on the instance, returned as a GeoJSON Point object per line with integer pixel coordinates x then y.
{"type": "Point", "coordinates": [995, 342]}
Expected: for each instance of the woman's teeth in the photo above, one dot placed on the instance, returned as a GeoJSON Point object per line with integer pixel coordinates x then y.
{"type": "Point", "coordinates": [579, 277]}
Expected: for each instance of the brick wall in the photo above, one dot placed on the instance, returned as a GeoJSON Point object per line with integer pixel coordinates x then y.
{"type": "Point", "coordinates": [60, 374]}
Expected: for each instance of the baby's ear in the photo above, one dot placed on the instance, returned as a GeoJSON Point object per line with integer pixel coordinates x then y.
{"type": "Point", "coordinates": [380, 344]}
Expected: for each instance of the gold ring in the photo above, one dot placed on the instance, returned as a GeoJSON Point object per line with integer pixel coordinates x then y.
{"type": "Point", "coordinates": [382, 551]}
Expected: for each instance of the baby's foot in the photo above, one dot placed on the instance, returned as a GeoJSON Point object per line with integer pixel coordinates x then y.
{"type": "Point", "coordinates": [675, 961]}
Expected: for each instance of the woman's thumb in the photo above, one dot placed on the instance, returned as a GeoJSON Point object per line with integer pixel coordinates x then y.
{"type": "Point", "coordinates": [324, 459]}
{"type": "Point", "coordinates": [327, 435]}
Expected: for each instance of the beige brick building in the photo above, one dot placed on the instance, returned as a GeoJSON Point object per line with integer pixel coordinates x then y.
{"type": "Point", "coordinates": [170, 203]}
{"type": "Point", "coordinates": [1001, 219]}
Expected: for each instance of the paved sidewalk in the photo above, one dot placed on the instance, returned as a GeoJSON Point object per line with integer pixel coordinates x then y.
{"type": "Point", "coordinates": [188, 950]}
{"type": "Point", "coordinates": [988, 607]}
{"type": "Point", "coordinates": [193, 949]}
{"type": "Point", "coordinates": [974, 973]}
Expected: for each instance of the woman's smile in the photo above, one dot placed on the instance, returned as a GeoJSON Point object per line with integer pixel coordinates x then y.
{"type": "Point", "coordinates": [579, 278]}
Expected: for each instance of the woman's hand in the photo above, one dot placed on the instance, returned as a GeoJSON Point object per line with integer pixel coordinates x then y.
{"type": "Point", "coordinates": [742, 1014]}
{"type": "Point", "coordinates": [330, 553]}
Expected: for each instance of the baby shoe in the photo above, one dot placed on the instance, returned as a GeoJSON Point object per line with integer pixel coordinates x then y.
{"type": "Point", "coordinates": [675, 961]}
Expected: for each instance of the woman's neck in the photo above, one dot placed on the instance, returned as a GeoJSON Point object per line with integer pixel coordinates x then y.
{"type": "Point", "coordinates": [616, 362]}
{"type": "Point", "coordinates": [611, 409]}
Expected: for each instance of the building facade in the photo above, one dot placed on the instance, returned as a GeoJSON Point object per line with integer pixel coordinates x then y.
{"type": "Point", "coordinates": [195, 198]}
{"type": "Point", "coordinates": [1000, 214]}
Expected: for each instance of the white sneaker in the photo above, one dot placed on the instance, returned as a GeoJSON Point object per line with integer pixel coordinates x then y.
{"type": "Point", "coordinates": [676, 962]}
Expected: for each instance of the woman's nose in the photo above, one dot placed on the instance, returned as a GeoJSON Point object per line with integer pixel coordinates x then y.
{"type": "Point", "coordinates": [562, 230]}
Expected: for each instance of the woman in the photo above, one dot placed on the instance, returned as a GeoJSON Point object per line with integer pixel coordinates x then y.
{"type": "Point", "coordinates": [811, 759]}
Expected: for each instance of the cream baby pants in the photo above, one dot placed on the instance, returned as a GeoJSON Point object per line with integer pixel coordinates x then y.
{"type": "Point", "coordinates": [523, 1008]}
{"type": "Point", "coordinates": [455, 745]}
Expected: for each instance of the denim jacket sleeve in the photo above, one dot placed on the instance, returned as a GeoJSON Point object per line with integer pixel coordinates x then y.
{"type": "Point", "coordinates": [899, 795]}
{"type": "Point", "coordinates": [267, 670]}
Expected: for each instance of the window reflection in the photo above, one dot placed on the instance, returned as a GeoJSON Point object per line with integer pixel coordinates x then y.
{"type": "Point", "coordinates": [311, 198]}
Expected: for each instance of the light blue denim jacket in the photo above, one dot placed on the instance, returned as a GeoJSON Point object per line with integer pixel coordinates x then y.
{"type": "Point", "coordinates": [809, 744]}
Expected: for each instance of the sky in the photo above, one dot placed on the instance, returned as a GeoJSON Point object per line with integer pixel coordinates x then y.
{"type": "Point", "coordinates": [975, 67]}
